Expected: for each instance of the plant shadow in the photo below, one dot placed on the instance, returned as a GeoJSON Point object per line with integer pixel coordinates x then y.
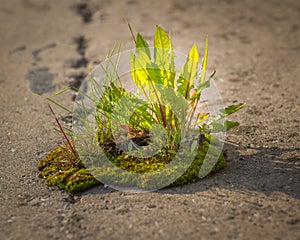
{"type": "Point", "coordinates": [259, 169]}
{"type": "Point", "coordinates": [265, 170]}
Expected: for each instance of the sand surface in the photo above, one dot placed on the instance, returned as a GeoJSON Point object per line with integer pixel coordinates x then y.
{"type": "Point", "coordinates": [255, 48]}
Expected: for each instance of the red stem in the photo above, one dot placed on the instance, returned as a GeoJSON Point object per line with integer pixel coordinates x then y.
{"type": "Point", "coordinates": [62, 130]}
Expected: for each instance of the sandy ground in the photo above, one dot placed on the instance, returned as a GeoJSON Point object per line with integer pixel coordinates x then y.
{"type": "Point", "coordinates": [255, 48]}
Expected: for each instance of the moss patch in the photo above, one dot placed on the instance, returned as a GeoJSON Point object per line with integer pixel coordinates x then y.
{"type": "Point", "coordinates": [63, 169]}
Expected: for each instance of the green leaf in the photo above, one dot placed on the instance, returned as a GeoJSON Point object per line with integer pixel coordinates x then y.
{"type": "Point", "coordinates": [188, 73]}
{"type": "Point", "coordinates": [141, 44]}
{"type": "Point", "coordinates": [204, 62]}
{"type": "Point", "coordinates": [138, 68]}
{"type": "Point", "coordinates": [231, 109]}
{"type": "Point", "coordinates": [229, 125]}
{"type": "Point", "coordinates": [202, 117]}
{"type": "Point", "coordinates": [110, 97]}
{"type": "Point", "coordinates": [164, 56]}
{"type": "Point", "coordinates": [218, 127]}
{"type": "Point", "coordinates": [224, 113]}
{"type": "Point", "coordinates": [161, 39]}
{"type": "Point", "coordinates": [162, 47]}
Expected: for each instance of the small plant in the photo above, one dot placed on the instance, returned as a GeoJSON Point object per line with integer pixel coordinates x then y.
{"type": "Point", "coordinates": [143, 131]}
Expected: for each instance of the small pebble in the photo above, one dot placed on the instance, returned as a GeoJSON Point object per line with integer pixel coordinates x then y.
{"type": "Point", "coordinates": [151, 206]}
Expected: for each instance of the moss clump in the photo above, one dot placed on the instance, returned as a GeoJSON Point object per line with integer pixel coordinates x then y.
{"type": "Point", "coordinates": [192, 173]}
{"type": "Point", "coordinates": [62, 168]}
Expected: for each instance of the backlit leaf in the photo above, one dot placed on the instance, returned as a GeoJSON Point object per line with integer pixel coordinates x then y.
{"type": "Point", "coordinates": [142, 45]}
{"type": "Point", "coordinates": [164, 56]}
{"type": "Point", "coordinates": [188, 73]}
{"type": "Point", "coordinates": [204, 62]}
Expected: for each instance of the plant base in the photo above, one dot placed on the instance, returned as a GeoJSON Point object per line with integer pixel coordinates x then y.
{"type": "Point", "coordinates": [63, 168]}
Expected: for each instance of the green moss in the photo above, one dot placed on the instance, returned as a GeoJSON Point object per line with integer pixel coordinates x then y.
{"type": "Point", "coordinates": [63, 169]}
{"type": "Point", "coordinates": [192, 173]}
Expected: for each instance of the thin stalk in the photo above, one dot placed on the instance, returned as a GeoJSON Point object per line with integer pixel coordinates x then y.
{"type": "Point", "coordinates": [130, 29]}
{"type": "Point", "coordinates": [62, 130]}
{"type": "Point", "coordinates": [197, 101]}
{"type": "Point", "coordinates": [159, 104]}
